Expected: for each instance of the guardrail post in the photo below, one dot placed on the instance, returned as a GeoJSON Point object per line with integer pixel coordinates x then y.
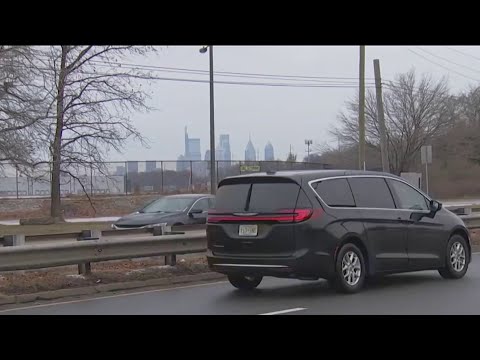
{"type": "Point", "coordinates": [163, 230]}
{"type": "Point", "coordinates": [85, 235]}
{"type": "Point", "coordinates": [14, 240]}
{"type": "Point", "coordinates": [171, 260]}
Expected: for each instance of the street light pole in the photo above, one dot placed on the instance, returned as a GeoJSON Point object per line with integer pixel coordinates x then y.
{"type": "Point", "coordinates": [213, 181]}
{"type": "Point", "coordinates": [308, 143]}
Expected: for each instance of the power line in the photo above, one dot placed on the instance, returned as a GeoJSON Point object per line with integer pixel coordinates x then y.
{"type": "Point", "coordinates": [447, 60]}
{"type": "Point", "coordinates": [444, 67]}
{"type": "Point", "coordinates": [345, 82]}
{"type": "Point", "coordinates": [219, 73]}
{"type": "Point", "coordinates": [261, 83]}
{"type": "Point", "coordinates": [463, 53]}
{"type": "Point", "coordinates": [293, 85]}
{"type": "Point", "coordinates": [227, 72]}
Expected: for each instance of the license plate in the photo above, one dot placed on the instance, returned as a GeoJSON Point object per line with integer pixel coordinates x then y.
{"type": "Point", "coordinates": [248, 230]}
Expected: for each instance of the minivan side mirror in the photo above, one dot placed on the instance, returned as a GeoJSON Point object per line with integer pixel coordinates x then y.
{"type": "Point", "coordinates": [435, 206]}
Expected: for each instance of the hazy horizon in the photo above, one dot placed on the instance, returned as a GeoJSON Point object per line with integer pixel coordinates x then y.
{"type": "Point", "coordinates": [283, 115]}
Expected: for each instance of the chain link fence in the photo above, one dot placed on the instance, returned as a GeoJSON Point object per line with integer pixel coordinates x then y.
{"type": "Point", "coordinates": [133, 177]}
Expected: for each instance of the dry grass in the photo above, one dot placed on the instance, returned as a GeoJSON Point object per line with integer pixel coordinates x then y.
{"type": "Point", "coordinates": [15, 283]}
{"type": "Point", "coordinates": [475, 236]}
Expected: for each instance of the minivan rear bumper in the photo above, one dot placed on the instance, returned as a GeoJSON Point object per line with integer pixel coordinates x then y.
{"type": "Point", "coordinates": [302, 264]}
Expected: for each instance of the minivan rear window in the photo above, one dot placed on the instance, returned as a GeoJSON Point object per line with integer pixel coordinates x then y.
{"type": "Point", "coordinates": [257, 197]}
{"type": "Point", "coordinates": [273, 197]}
{"type": "Point", "coordinates": [232, 197]}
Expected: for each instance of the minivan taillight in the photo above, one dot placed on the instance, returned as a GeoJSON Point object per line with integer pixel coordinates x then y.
{"type": "Point", "coordinates": [284, 216]}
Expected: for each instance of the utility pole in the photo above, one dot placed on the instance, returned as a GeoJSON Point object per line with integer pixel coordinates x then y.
{"type": "Point", "coordinates": [213, 181]}
{"type": "Point", "coordinates": [213, 178]}
{"type": "Point", "coordinates": [361, 111]}
{"type": "Point", "coordinates": [381, 116]}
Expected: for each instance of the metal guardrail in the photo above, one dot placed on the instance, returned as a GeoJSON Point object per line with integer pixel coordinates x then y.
{"type": "Point", "coordinates": [6, 240]}
{"type": "Point", "coordinates": [29, 257]}
{"type": "Point", "coordinates": [471, 221]}
{"type": "Point", "coordinates": [464, 209]}
{"type": "Point", "coordinates": [88, 239]}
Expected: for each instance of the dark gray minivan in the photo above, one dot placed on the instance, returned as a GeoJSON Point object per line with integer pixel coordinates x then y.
{"type": "Point", "coordinates": [343, 226]}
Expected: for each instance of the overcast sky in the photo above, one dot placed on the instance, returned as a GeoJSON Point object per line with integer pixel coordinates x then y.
{"type": "Point", "coordinates": [283, 115]}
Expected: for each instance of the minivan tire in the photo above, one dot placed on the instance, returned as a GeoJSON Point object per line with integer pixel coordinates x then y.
{"type": "Point", "coordinates": [346, 283]}
{"type": "Point", "coordinates": [449, 271]}
{"type": "Point", "coordinates": [245, 282]}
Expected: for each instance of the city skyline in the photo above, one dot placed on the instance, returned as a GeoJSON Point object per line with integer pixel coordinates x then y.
{"type": "Point", "coordinates": [223, 153]}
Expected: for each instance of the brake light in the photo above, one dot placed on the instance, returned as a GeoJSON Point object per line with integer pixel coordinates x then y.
{"type": "Point", "coordinates": [284, 216]}
{"type": "Point", "coordinates": [302, 215]}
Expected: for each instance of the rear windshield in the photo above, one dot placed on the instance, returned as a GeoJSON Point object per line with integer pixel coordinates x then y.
{"type": "Point", "coordinates": [257, 197]}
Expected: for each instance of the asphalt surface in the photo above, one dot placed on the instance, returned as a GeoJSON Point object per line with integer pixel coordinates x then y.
{"type": "Point", "coordinates": [413, 293]}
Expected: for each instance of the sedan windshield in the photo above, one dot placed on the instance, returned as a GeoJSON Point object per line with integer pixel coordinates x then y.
{"type": "Point", "coordinates": [168, 205]}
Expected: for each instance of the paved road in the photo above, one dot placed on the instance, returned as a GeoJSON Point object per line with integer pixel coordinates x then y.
{"type": "Point", "coordinates": [414, 293]}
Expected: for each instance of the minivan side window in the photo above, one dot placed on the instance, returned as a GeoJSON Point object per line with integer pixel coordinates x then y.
{"type": "Point", "coordinates": [407, 197]}
{"type": "Point", "coordinates": [371, 192]}
{"type": "Point", "coordinates": [335, 192]}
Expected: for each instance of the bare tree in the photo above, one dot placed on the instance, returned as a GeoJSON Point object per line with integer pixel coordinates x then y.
{"type": "Point", "coordinates": [23, 105]}
{"type": "Point", "coordinates": [95, 95]}
{"type": "Point", "coordinates": [415, 113]}
{"type": "Point", "coordinates": [467, 134]}
{"type": "Point", "coordinates": [469, 107]}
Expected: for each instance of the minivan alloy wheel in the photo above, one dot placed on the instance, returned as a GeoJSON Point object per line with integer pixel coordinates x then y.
{"type": "Point", "coordinates": [457, 256]}
{"type": "Point", "coordinates": [351, 268]}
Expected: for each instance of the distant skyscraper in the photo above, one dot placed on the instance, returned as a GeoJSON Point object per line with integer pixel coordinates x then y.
{"type": "Point", "coordinates": [192, 153]}
{"type": "Point", "coordinates": [192, 148]}
{"type": "Point", "coordinates": [269, 153]}
{"type": "Point", "coordinates": [225, 147]}
{"type": "Point", "coordinates": [250, 153]}
{"type": "Point", "coordinates": [207, 155]}
{"type": "Point", "coordinates": [150, 166]}
{"type": "Point", "coordinates": [132, 167]}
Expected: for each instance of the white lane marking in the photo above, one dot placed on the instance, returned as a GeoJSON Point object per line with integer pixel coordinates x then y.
{"type": "Point", "coordinates": [110, 296]}
{"type": "Point", "coordinates": [284, 311]}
